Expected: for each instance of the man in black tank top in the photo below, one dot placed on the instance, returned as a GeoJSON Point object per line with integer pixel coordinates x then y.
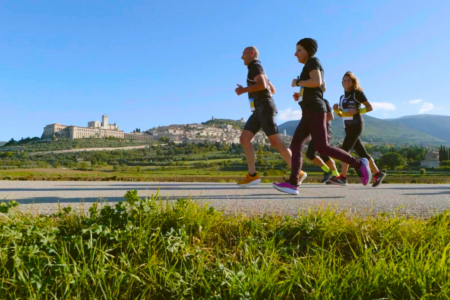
{"type": "Point", "coordinates": [262, 106]}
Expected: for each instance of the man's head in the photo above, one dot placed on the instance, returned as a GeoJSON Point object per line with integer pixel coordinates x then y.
{"type": "Point", "coordinates": [250, 54]}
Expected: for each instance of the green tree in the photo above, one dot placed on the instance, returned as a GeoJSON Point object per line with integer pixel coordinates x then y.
{"type": "Point", "coordinates": [83, 165]}
{"type": "Point", "coordinates": [260, 156]}
{"type": "Point", "coordinates": [11, 142]}
{"type": "Point", "coordinates": [392, 160]}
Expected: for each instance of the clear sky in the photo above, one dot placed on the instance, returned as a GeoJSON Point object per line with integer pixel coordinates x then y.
{"type": "Point", "coordinates": [150, 63]}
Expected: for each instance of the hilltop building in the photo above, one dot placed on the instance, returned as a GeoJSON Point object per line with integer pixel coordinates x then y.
{"type": "Point", "coordinates": [95, 129]}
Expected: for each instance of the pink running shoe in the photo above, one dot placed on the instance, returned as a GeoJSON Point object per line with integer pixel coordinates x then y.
{"type": "Point", "coordinates": [286, 187]}
{"type": "Point", "coordinates": [364, 171]}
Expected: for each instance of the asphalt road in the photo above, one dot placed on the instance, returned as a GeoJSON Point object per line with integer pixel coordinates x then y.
{"type": "Point", "coordinates": [412, 199]}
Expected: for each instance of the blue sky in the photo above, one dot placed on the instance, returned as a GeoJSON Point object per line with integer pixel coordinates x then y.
{"type": "Point", "coordinates": [150, 63]}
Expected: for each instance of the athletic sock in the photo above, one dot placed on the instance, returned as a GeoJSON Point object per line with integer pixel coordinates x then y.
{"type": "Point", "coordinates": [335, 173]}
{"type": "Point", "coordinates": [343, 177]}
{"type": "Point", "coordinates": [325, 168]}
{"type": "Point", "coordinates": [253, 175]}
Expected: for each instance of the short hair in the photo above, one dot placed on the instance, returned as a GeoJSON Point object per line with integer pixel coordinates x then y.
{"type": "Point", "coordinates": [253, 48]}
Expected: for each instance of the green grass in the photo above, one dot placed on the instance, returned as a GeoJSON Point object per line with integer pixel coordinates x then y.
{"type": "Point", "coordinates": [144, 249]}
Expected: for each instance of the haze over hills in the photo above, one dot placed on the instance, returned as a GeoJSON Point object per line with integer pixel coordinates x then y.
{"type": "Point", "coordinates": [401, 131]}
{"type": "Point", "coordinates": [435, 125]}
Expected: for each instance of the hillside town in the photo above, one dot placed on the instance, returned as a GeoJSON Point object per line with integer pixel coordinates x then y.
{"type": "Point", "coordinates": [180, 133]}
{"type": "Point", "coordinates": [212, 131]}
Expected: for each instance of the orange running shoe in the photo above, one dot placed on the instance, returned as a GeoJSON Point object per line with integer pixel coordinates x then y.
{"type": "Point", "coordinates": [303, 176]}
{"type": "Point", "coordinates": [249, 180]}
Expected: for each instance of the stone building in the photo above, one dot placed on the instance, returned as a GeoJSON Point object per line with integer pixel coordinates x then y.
{"type": "Point", "coordinates": [95, 129]}
{"type": "Point", "coordinates": [142, 136]}
{"type": "Point", "coordinates": [431, 160]}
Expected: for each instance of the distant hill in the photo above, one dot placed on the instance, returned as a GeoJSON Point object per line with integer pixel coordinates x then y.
{"type": "Point", "coordinates": [378, 131]}
{"type": "Point", "coordinates": [219, 122]}
{"type": "Point", "coordinates": [435, 125]}
{"type": "Point", "coordinates": [2, 143]}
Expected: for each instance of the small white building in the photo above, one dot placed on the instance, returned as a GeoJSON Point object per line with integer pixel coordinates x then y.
{"type": "Point", "coordinates": [431, 160]}
{"type": "Point", "coordinates": [376, 154]}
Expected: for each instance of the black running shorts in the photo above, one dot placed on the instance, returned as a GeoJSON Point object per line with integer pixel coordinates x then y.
{"type": "Point", "coordinates": [263, 117]}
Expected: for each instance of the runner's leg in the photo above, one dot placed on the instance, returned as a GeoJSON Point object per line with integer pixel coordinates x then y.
{"type": "Point", "coordinates": [298, 141]}
{"type": "Point", "coordinates": [352, 134]}
{"type": "Point", "coordinates": [317, 126]}
{"type": "Point", "coordinates": [250, 129]}
{"type": "Point", "coordinates": [246, 142]}
{"type": "Point", "coordinates": [311, 155]}
{"type": "Point", "coordinates": [277, 143]}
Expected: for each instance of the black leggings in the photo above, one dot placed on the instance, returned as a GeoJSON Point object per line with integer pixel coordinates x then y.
{"type": "Point", "coordinates": [352, 140]}
{"type": "Point", "coordinates": [311, 152]}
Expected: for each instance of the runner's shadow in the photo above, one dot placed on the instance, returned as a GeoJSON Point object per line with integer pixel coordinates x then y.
{"type": "Point", "coordinates": [419, 188]}
{"type": "Point", "coordinates": [428, 194]}
{"type": "Point", "coordinates": [206, 198]}
{"type": "Point", "coordinates": [144, 188]}
{"type": "Point", "coordinates": [153, 183]}
{"type": "Point", "coordinates": [148, 188]}
{"type": "Point", "coordinates": [53, 200]}
{"type": "Point", "coordinates": [254, 197]}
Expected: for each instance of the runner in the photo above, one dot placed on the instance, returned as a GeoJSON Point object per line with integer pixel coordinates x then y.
{"type": "Point", "coordinates": [260, 91]}
{"type": "Point", "coordinates": [324, 162]}
{"type": "Point", "coordinates": [349, 109]}
{"type": "Point", "coordinates": [313, 120]}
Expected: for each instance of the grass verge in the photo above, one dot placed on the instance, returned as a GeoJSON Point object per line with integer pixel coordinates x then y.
{"type": "Point", "coordinates": [144, 249]}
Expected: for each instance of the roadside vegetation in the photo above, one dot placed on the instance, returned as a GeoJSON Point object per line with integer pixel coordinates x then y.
{"type": "Point", "coordinates": [149, 249]}
{"type": "Point", "coordinates": [166, 161]}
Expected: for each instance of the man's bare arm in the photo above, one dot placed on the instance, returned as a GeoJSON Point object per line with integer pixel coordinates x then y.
{"type": "Point", "coordinates": [271, 88]}
{"type": "Point", "coordinates": [261, 84]}
{"type": "Point", "coordinates": [330, 116]}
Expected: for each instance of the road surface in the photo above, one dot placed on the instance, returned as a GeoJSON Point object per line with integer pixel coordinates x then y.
{"type": "Point", "coordinates": [411, 199]}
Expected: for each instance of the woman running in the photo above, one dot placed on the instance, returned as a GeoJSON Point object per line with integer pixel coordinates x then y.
{"type": "Point", "coordinates": [349, 109]}
{"type": "Point", "coordinates": [313, 120]}
{"type": "Point", "coordinates": [324, 162]}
